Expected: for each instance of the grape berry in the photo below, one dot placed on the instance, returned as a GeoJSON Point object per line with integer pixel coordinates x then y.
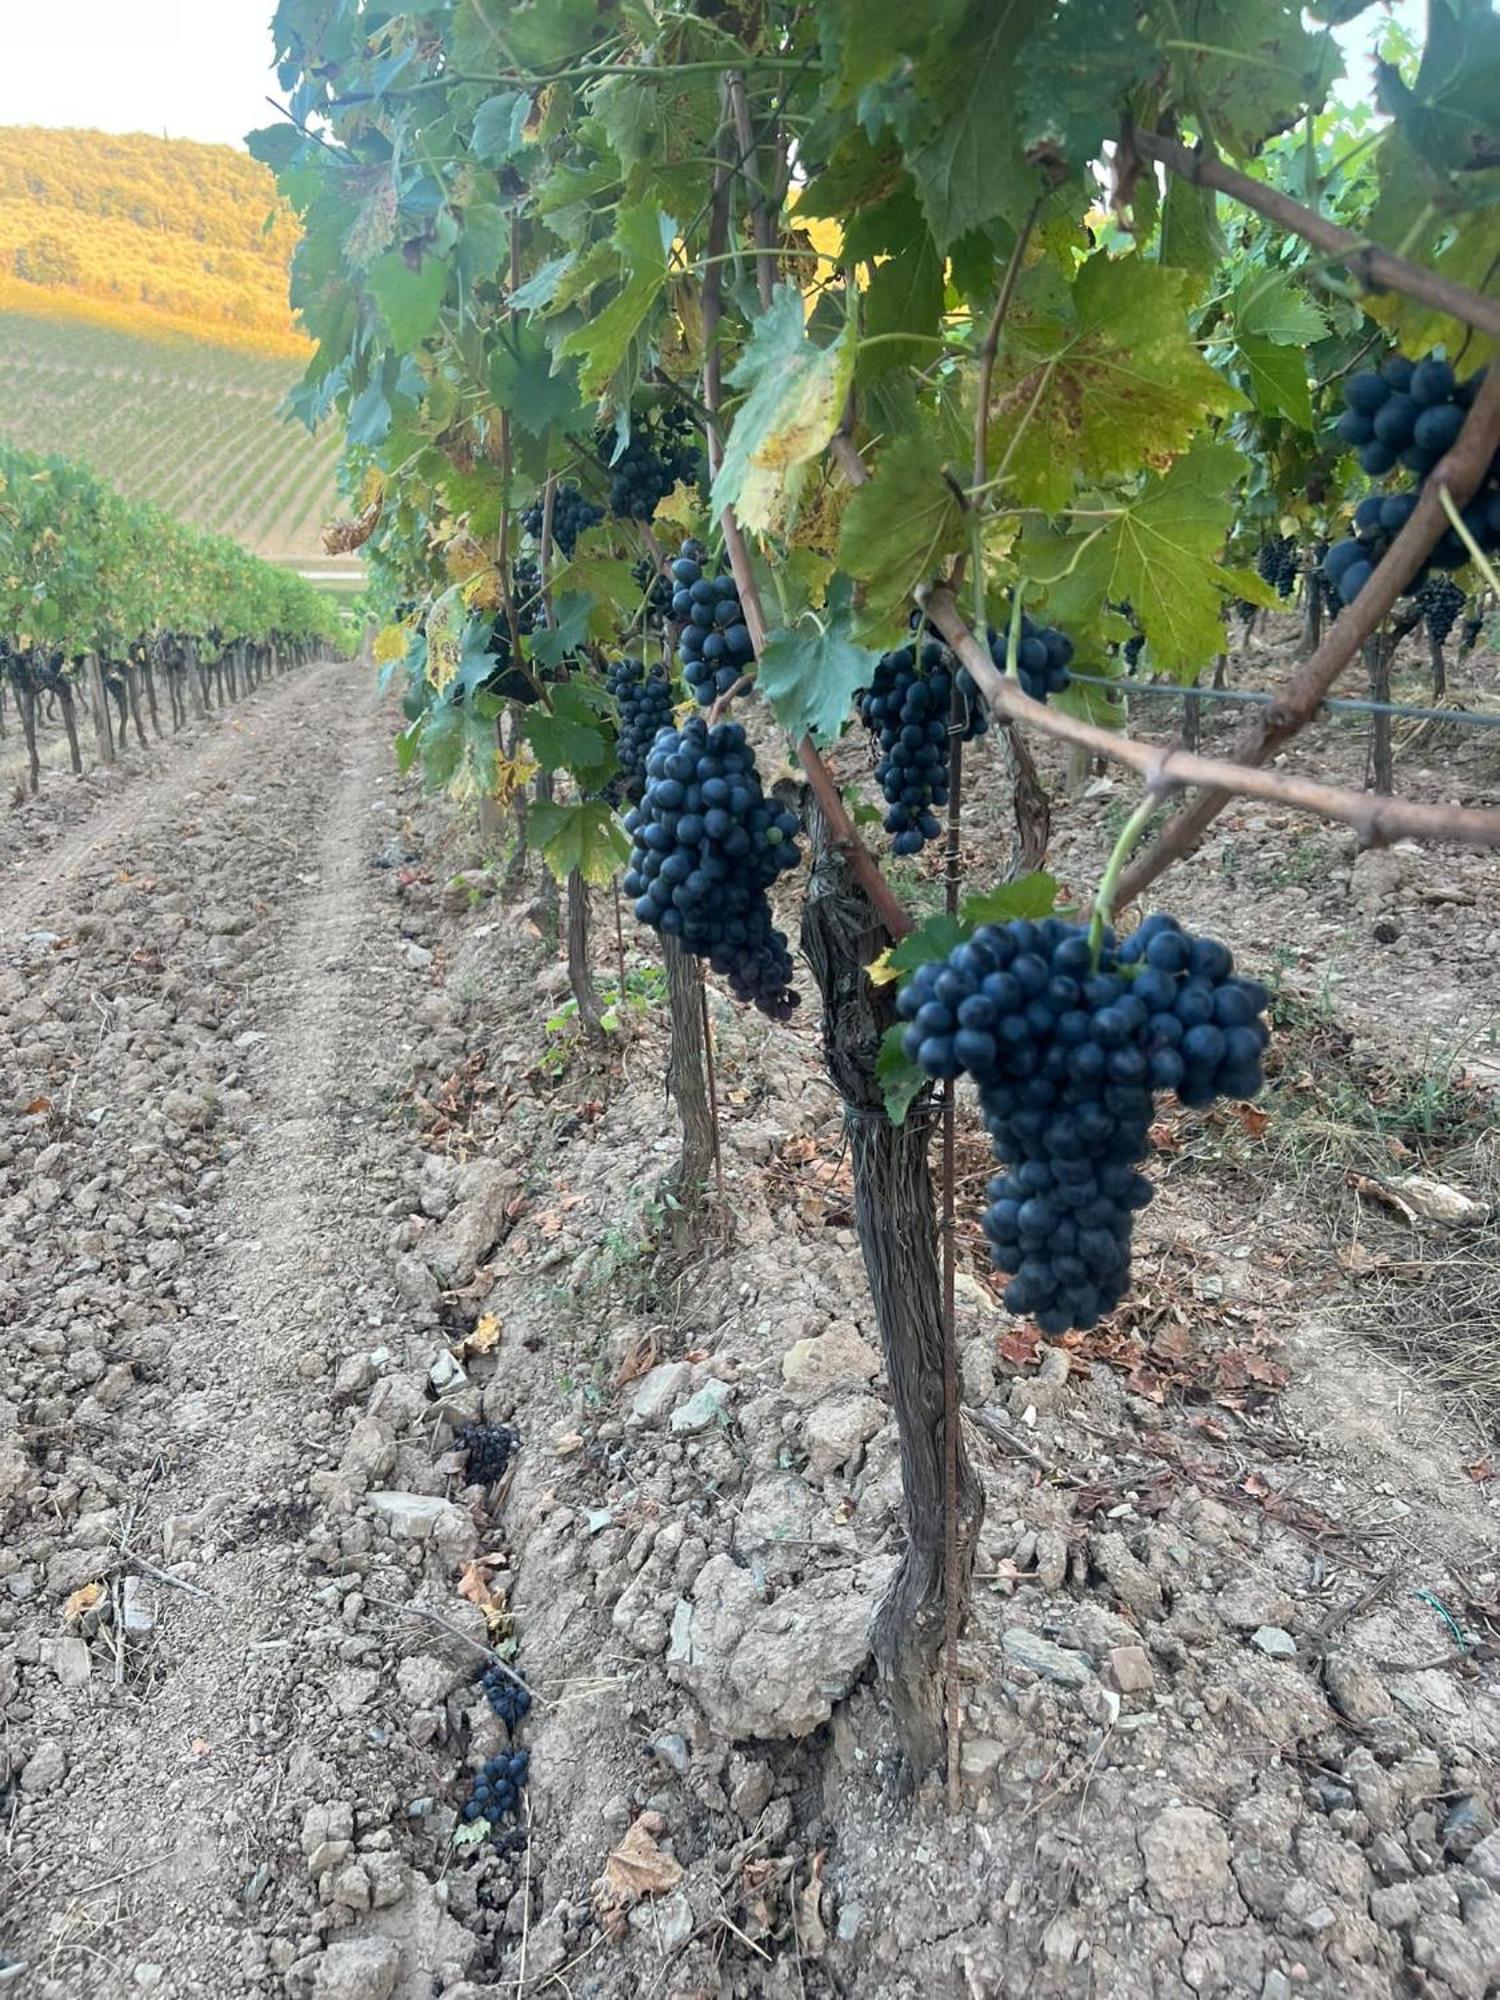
{"type": "Point", "coordinates": [714, 647]}
{"type": "Point", "coordinates": [907, 709]}
{"type": "Point", "coordinates": [707, 846]}
{"type": "Point", "coordinates": [1440, 600]}
{"type": "Point", "coordinates": [1067, 1059]}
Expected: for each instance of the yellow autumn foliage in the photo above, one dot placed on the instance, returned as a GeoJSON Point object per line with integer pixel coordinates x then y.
{"type": "Point", "coordinates": [153, 236]}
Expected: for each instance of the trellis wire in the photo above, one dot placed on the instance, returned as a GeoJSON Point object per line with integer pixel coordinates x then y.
{"type": "Point", "coordinates": [1175, 691]}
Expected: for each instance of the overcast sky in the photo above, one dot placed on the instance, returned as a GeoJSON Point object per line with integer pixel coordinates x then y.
{"type": "Point", "coordinates": [200, 69]}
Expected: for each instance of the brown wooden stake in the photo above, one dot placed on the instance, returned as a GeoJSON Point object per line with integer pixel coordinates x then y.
{"type": "Point", "coordinates": [953, 1579]}
{"type": "Point", "coordinates": [620, 948]}
{"type": "Point", "coordinates": [713, 1089]}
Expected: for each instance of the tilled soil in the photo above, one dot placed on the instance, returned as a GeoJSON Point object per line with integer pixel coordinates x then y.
{"type": "Point", "coordinates": [304, 1169]}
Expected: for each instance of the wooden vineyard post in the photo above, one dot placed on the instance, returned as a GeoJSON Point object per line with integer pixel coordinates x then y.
{"type": "Point", "coordinates": [580, 973]}
{"type": "Point", "coordinates": [70, 723]}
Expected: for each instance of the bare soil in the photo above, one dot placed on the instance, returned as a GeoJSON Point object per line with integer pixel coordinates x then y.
{"type": "Point", "coordinates": [304, 1167]}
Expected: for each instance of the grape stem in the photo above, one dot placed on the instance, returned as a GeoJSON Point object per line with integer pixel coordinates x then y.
{"type": "Point", "coordinates": [1460, 528]}
{"type": "Point", "coordinates": [1114, 868]}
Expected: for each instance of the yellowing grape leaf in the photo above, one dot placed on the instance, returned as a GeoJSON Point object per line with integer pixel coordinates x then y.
{"type": "Point", "coordinates": [1099, 380]}
{"type": "Point", "coordinates": [898, 529]}
{"type": "Point", "coordinates": [1158, 553]}
{"type": "Point", "coordinates": [795, 399]}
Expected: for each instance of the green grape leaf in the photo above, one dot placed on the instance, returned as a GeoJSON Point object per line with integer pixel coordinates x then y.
{"type": "Point", "coordinates": [899, 528]}
{"type": "Point", "coordinates": [1033, 895]}
{"type": "Point", "coordinates": [1450, 115]}
{"type": "Point", "coordinates": [586, 836]}
{"type": "Point", "coordinates": [1277, 378]}
{"type": "Point", "coordinates": [1100, 381]}
{"type": "Point", "coordinates": [968, 166]}
{"type": "Point", "coordinates": [1268, 305]}
{"type": "Point", "coordinates": [905, 295]}
{"type": "Point", "coordinates": [500, 127]}
{"type": "Point", "coordinates": [1463, 246]}
{"type": "Point", "coordinates": [1080, 63]}
{"type": "Point", "coordinates": [561, 743]}
{"type": "Point", "coordinates": [810, 675]}
{"type": "Point", "coordinates": [795, 400]}
{"type": "Point", "coordinates": [934, 939]}
{"type": "Point", "coordinates": [870, 38]}
{"type": "Point", "coordinates": [551, 644]}
{"type": "Point", "coordinates": [643, 237]}
{"type": "Point", "coordinates": [901, 1082]}
{"type": "Point", "coordinates": [1191, 239]}
{"type": "Point", "coordinates": [542, 287]}
{"type": "Point", "coordinates": [1250, 585]}
{"type": "Point", "coordinates": [409, 301]}
{"type": "Point", "coordinates": [1158, 553]}
{"type": "Point", "coordinates": [1247, 68]}
{"type": "Point", "coordinates": [522, 381]}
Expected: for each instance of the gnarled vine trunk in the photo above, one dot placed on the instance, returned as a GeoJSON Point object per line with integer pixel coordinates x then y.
{"type": "Point", "coordinates": [687, 1072]}
{"type": "Point", "coordinates": [895, 1220]}
{"type": "Point", "coordinates": [580, 972]}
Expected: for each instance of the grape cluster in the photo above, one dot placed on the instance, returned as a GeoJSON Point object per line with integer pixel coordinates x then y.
{"type": "Point", "coordinates": [907, 709]}
{"type": "Point", "coordinates": [655, 588]}
{"type": "Point", "coordinates": [708, 844]}
{"type": "Point", "coordinates": [662, 452]}
{"type": "Point", "coordinates": [1407, 413]}
{"type": "Point", "coordinates": [714, 648]}
{"type": "Point", "coordinates": [496, 1796]}
{"type": "Point", "coordinates": [645, 704]}
{"type": "Point", "coordinates": [1067, 1058]}
{"type": "Point", "coordinates": [489, 1448]}
{"type": "Point", "coordinates": [1440, 600]}
{"type": "Point", "coordinates": [572, 513]}
{"type": "Point", "coordinates": [1276, 562]}
{"type": "Point", "coordinates": [506, 1696]}
{"type": "Point", "coordinates": [1042, 656]}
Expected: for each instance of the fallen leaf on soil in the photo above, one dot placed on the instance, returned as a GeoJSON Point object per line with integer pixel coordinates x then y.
{"type": "Point", "coordinates": [1421, 1199]}
{"type": "Point", "coordinates": [37, 1106]}
{"type": "Point", "coordinates": [1164, 1138]}
{"type": "Point", "coordinates": [568, 1443]}
{"type": "Point", "coordinates": [636, 1868]}
{"type": "Point", "coordinates": [476, 1584]}
{"type": "Point", "coordinates": [1252, 1118]}
{"type": "Point", "coordinates": [1480, 1469]}
{"type": "Point", "coordinates": [639, 1361]}
{"type": "Point", "coordinates": [1020, 1347]}
{"type": "Point", "coordinates": [811, 1935]}
{"type": "Point", "coordinates": [482, 1338]}
{"type": "Point", "coordinates": [81, 1601]}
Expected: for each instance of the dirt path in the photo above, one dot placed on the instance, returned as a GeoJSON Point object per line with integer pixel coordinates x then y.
{"type": "Point", "coordinates": [265, 1250]}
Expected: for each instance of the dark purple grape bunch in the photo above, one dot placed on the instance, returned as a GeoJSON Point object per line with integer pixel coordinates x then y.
{"type": "Point", "coordinates": [1408, 414]}
{"type": "Point", "coordinates": [713, 646]}
{"type": "Point", "coordinates": [707, 844]}
{"type": "Point", "coordinates": [572, 513]}
{"type": "Point", "coordinates": [908, 709]}
{"type": "Point", "coordinates": [1067, 1058]}
{"type": "Point", "coordinates": [644, 700]}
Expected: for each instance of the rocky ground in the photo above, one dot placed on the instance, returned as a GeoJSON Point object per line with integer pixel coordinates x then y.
{"type": "Point", "coordinates": [304, 1170]}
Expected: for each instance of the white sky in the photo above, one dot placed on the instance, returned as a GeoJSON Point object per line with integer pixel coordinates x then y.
{"type": "Point", "coordinates": [200, 69]}
{"type": "Point", "coordinates": [194, 69]}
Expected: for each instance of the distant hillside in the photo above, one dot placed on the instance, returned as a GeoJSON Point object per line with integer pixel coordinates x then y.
{"type": "Point", "coordinates": [147, 235]}
{"type": "Point", "coordinates": [194, 428]}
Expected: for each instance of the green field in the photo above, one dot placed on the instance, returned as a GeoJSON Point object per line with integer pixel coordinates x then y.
{"type": "Point", "coordinates": [195, 429]}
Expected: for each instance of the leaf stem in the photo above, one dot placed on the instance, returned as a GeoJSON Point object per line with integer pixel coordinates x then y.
{"type": "Point", "coordinates": [1460, 528]}
{"type": "Point", "coordinates": [1114, 868]}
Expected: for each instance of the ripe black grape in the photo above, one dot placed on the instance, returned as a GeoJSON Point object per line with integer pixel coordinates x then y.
{"type": "Point", "coordinates": [507, 1697]}
{"type": "Point", "coordinates": [489, 1448]}
{"type": "Point", "coordinates": [645, 704]}
{"type": "Point", "coordinates": [662, 451]}
{"type": "Point", "coordinates": [1067, 1058]}
{"type": "Point", "coordinates": [496, 1793]}
{"type": "Point", "coordinates": [708, 844]}
{"type": "Point", "coordinates": [572, 513]}
{"type": "Point", "coordinates": [1409, 414]}
{"type": "Point", "coordinates": [907, 709]}
{"type": "Point", "coordinates": [713, 646]}
{"type": "Point", "coordinates": [1276, 561]}
{"type": "Point", "coordinates": [653, 586]}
